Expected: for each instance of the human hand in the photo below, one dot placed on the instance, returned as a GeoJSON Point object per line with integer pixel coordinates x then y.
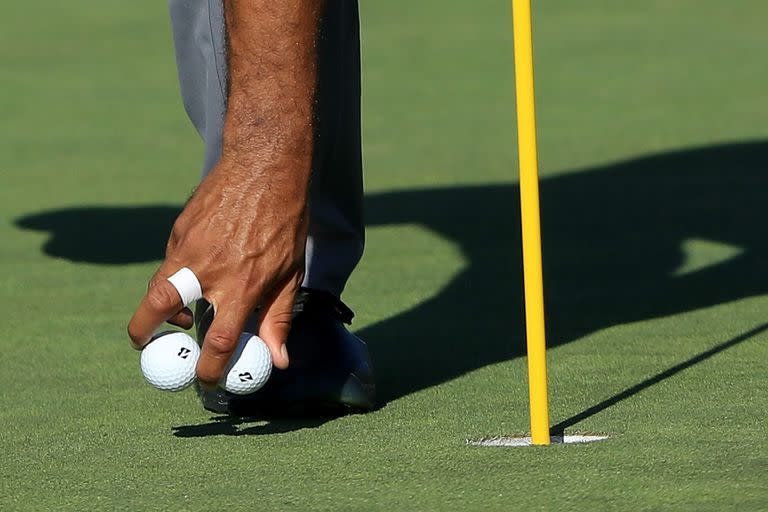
{"type": "Point", "coordinates": [244, 230]}
{"type": "Point", "coordinates": [244, 239]}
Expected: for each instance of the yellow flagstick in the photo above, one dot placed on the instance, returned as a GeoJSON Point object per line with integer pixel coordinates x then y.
{"type": "Point", "coordinates": [531, 222]}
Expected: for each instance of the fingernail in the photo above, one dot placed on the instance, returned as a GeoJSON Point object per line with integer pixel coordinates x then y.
{"type": "Point", "coordinates": [284, 352]}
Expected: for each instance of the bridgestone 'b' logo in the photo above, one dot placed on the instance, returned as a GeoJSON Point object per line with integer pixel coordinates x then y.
{"type": "Point", "coordinates": [184, 352]}
{"type": "Point", "coordinates": [245, 376]}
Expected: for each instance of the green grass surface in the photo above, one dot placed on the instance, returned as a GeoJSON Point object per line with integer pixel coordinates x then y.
{"type": "Point", "coordinates": [654, 154]}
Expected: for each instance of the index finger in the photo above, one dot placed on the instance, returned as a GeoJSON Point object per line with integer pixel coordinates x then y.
{"type": "Point", "coordinates": [161, 302]}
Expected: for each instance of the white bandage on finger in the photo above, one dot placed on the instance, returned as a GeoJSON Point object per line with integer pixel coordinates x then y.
{"type": "Point", "coordinates": [186, 283]}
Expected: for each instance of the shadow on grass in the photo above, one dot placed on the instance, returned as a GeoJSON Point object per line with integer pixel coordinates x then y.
{"type": "Point", "coordinates": [108, 235]}
{"type": "Point", "coordinates": [559, 429]}
{"type": "Point", "coordinates": [229, 426]}
{"type": "Point", "coordinates": [615, 251]}
{"type": "Point", "coordinates": [621, 243]}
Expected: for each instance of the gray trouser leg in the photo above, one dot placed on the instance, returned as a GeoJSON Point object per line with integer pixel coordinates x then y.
{"type": "Point", "coordinates": [336, 235]}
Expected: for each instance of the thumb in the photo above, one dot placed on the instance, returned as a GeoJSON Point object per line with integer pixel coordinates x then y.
{"type": "Point", "coordinates": [276, 322]}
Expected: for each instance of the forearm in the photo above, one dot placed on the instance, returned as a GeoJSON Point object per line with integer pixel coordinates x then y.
{"type": "Point", "coordinates": [272, 61]}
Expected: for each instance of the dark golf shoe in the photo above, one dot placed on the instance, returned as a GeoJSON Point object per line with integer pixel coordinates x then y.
{"type": "Point", "coordinates": [330, 371]}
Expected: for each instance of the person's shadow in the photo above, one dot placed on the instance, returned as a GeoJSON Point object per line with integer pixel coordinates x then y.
{"type": "Point", "coordinates": [615, 251]}
{"type": "Point", "coordinates": [614, 245]}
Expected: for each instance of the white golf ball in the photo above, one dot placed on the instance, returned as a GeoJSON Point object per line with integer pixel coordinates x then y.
{"type": "Point", "coordinates": [250, 366]}
{"type": "Point", "coordinates": [168, 362]}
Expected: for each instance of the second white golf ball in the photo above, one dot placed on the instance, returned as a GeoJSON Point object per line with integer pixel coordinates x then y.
{"type": "Point", "coordinates": [250, 366]}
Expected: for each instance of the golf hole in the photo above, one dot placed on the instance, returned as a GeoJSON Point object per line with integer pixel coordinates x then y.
{"type": "Point", "coordinates": [526, 441]}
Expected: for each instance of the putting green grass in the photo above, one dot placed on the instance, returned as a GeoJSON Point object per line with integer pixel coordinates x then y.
{"type": "Point", "coordinates": [654, 156]}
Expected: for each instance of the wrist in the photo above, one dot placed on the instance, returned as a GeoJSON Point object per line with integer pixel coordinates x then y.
{"type": "Point", "coordinates": [266, 142]}
{"type": "Point", "coordinates": [247, 177]}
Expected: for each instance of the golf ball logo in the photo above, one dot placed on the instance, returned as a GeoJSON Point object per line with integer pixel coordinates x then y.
{"type": "Point", "coordinates": [168, 361]}
{"type": "Point", "coordinates": [250, 366]}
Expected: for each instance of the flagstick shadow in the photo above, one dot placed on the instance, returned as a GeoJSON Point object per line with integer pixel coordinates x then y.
{"type": "Point", "coordinates": [559, 429]}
